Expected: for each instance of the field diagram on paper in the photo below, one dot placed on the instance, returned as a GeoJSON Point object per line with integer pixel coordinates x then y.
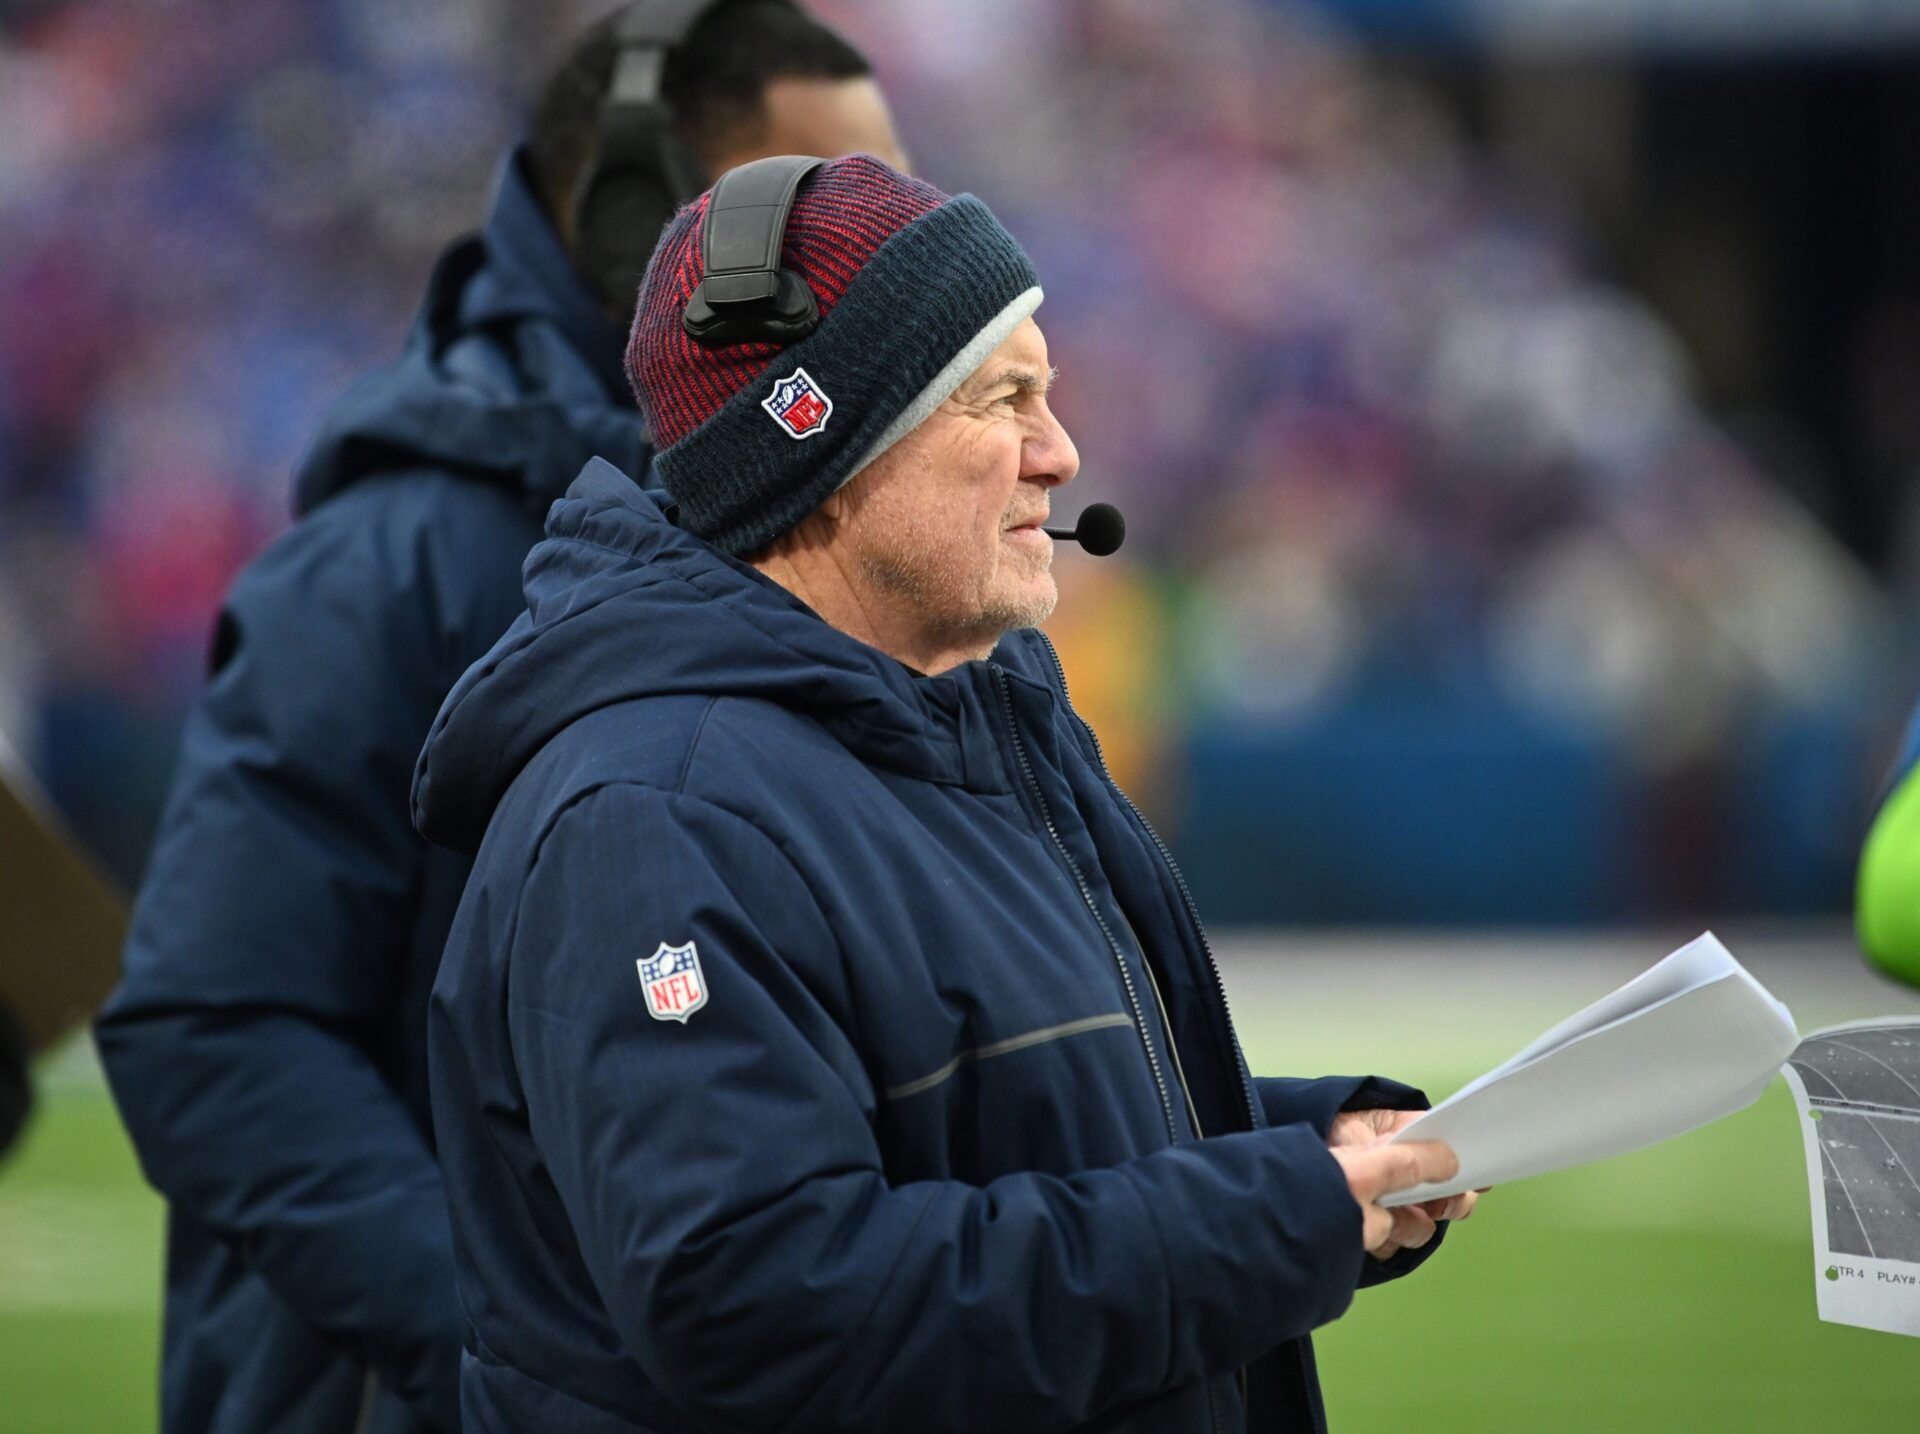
{"type": "Point", "coordinates": [1863, 1087]}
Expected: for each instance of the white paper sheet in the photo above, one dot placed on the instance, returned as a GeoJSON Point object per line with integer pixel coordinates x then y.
{"type": "Point", "coordinates": [1858, 1090]}
{"type": "Point", "coordinates": [1693, 1039]}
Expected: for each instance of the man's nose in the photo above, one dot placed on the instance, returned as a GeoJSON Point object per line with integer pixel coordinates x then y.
{"type": "Point", "coordinates": [1049, 455]}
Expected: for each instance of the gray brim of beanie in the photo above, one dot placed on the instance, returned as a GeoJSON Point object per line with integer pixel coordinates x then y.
{"type": "Point", "coordinates": [921, 315]}
{"type": "Point", "coordinates": [959, 368]}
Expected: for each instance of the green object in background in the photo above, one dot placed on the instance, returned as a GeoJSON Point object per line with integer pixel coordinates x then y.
{"type": "Point", "coordinates": [1887, 899]}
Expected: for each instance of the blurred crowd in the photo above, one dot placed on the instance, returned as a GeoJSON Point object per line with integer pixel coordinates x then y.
{"type": "Point", "coordinates": [1443, 598]}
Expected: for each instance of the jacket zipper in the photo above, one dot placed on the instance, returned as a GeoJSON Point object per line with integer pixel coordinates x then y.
{"type": "Point", "coordinates": [1179, 881]}
{"type": "Point", "coordinates": [1119, 960]}
{"type": "Point", "coordinates": [1193, 1114]}
{"type": "Point", "coordinates": [1309, 1382]}
{"type": "Point", "coordinates": [1213, 969]}
{"type": "Point", "coordinates": [1166, 1024]}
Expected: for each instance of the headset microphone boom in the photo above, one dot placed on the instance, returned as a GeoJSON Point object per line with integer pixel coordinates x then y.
{"type": "Point", "coordinates": [1101, 530]}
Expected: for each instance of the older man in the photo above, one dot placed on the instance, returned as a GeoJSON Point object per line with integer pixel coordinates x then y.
{"type": "Point", "coordinates": [824, 1042]}
{"type": "Point", "coordinates": [267, 1046]}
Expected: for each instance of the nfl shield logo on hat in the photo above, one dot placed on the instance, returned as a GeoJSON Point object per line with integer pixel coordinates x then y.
{"type": "Point", "coordinates": [673, 981]}
{"type": "Point", "coordinates": [799, 405]}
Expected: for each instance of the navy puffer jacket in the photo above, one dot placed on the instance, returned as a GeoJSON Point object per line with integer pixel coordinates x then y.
{"type": "Point", "coordinates": [819, 1046]}
{"type": "Point", "coordinates": [267, 1045]}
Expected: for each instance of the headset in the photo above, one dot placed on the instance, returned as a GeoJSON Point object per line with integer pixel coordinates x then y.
{"type": "Point", "coordinates": [744, 296]}
{"type": "Point", "coordinates": [641, 170]}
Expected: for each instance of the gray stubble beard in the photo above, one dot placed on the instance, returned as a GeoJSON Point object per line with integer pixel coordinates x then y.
{"type": "Point", "coordinates": [911, 576]}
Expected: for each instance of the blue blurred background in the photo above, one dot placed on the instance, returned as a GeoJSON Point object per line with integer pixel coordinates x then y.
{"type": "Point", "coordinates": [1513, 401]}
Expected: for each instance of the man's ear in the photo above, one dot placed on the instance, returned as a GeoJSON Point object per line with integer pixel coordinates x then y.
{"type": "Point", "coordinates": [834, 509]}
{"type": "Point", "coordinates": [816, 530]}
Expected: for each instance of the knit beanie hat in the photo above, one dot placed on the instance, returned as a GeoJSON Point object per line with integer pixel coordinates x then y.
{"type": "Point", "coordinates": [914, 288]}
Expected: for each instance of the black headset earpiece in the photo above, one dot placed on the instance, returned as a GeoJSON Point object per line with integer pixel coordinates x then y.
{"type": "Point", "coordinates": [744, 296]}
{"type": "Point", "coordinates": [641, 171]}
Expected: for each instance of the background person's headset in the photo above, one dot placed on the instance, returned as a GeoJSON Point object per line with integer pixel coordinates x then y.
{"type": "Point", "coordinates": [641, 170]}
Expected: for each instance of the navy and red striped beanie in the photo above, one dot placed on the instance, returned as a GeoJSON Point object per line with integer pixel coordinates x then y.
{"type": "Point", "coordinates": [915, 289]}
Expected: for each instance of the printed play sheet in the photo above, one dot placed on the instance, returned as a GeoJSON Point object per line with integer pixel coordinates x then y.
{"type": "Point", "coordinates": [1688, 1041]}
{"type": "Point", "coordinates": [1858, 1089]}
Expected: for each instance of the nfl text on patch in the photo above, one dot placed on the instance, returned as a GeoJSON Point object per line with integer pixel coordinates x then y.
{"type": "Point", "coordinates": [675, 985]}
{"type": "Point", "coordinates": [799, 405]}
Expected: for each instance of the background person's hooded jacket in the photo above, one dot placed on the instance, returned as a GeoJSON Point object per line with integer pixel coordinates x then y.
{"type": "Point", "coordinates": [266, 1046]}
{"type": "Point", "coordinates": [923, 1152]}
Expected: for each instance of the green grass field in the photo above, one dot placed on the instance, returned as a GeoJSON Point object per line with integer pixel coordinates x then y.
{"type": "Point", "coordinates": [1669, 1290]}
{"type": "Point", "coordinates": [80, 1237]}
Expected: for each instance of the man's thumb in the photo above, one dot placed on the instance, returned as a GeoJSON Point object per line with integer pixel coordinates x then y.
{"type": "Point", "coordinates": [1411, 1163]}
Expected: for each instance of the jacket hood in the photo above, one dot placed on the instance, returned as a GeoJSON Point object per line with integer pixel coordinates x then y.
{"type": "Point", "coordinates": [621, 604]}
{"type": "Point", "coordinates": [510, 375]}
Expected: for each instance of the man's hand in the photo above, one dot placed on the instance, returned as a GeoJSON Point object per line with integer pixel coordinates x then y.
{"type": "Point", "coordinates": [1376, 1169]}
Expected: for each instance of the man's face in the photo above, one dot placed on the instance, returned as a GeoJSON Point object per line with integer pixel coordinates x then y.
{"type": "Point", "coordinates": [944, 527]}
{"type": "Point", "coordinates": [812, 116]}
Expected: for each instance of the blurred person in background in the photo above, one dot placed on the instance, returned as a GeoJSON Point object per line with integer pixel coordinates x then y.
{"type": "Point", "coordinates": [61, 927]}
{"type": "Point", "coordinates": [267, 1043]}
{"type": "Point", "coordinates": [16, 1094]}
{"type": "Point", "coordinates": [16, 1090]}
{"type": "Point", "coordinates": [62, 922]}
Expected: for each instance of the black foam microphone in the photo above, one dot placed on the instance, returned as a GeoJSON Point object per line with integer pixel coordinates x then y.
{"type": "Point", "coordinates": [1101, 530]}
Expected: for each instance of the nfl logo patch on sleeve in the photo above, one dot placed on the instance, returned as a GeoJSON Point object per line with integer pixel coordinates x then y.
{"type": "Point", "coordinates": [798, 405]}
{"type": "Point", "coordinates": [673, 981]}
